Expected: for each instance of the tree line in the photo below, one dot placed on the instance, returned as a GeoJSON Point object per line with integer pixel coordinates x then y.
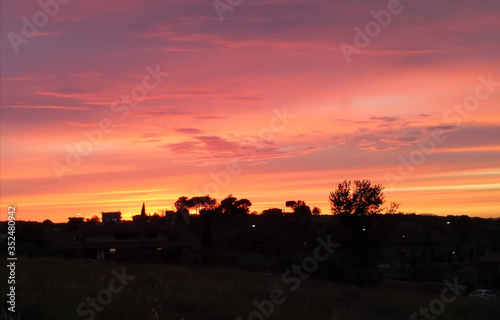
{"type": "Point", "coordinates": [350, 199]}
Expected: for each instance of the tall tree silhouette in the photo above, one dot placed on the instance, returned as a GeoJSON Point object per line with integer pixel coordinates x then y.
{"type": "Point", "coordinates": [363, 199]}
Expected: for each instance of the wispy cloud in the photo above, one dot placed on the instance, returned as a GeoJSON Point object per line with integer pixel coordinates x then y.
{"type": "Point", "coordinates": [48, 107]}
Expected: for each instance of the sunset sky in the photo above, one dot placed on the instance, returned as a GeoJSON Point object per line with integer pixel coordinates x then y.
{"type": "Point", "coordinates": [262, 104]}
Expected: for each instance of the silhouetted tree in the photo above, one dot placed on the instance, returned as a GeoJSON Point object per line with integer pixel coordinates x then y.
{"type": "Point", "coordinates": [230, 205]}
{"type": "Point", "coordinates": [227, 205]}
{"type": "Point", "coordinates": [94, 220]}
{"type": "Point", "coordinates": [364, 199]}
{"type": "Point", "coordinates": [393, 208]}
{"type": "Point", "coordinates": [316, 211]}
{"type": "Point", "coordinates": [243, 206]}
{"type": "Point", "coordinates": [197, 203]}
{"type": "Point", "coordinates": [181, 203]}
{"type": "Point", "coordinates": [290, 204]}
{"type": "Point", "coordinates": [300, 209]}
{"type": "Point", "coordinates": [205, 202]}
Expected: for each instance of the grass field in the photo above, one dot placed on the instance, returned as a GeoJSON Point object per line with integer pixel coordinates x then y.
{"type": "Point", "coordinates": [52, 288]}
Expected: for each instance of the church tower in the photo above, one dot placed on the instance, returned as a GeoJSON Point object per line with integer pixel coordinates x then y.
{"type": "Point", "coordinates": [143, 211]}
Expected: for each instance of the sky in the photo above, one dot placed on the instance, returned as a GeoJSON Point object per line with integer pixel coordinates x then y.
{"type": "Point", "coordinates": [109, 104]}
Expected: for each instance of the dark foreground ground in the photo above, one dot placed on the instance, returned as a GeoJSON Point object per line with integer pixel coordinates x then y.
{"type": "Point", "coordinates": [54, 288]}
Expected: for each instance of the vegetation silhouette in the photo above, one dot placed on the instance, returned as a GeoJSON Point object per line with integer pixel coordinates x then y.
{"type": "Point", "coordinates": [356, 204]}
{"type": "Point", "coordinates": [300, 209]}
{"type": "Point", "coordinates": [362, 199]}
